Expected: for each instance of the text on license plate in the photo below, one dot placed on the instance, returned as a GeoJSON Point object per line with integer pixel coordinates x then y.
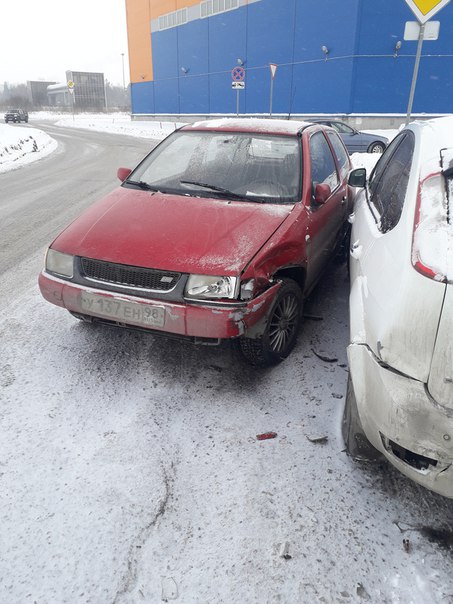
{"type": "Point", "coordinates": [123, 310]}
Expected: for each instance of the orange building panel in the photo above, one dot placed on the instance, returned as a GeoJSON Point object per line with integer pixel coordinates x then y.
{"type": "Point", "coordinates": [139, 40]}
{"type": "Point", "coordinates": [139, 14]}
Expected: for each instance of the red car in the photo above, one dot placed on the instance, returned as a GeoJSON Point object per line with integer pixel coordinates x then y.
{"type": "Point", "coordinates": [220, 232]}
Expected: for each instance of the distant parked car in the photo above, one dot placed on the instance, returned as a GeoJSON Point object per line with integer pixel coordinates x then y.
{"type": "Point", "coordinates": [400, 392]}
{"type": "Point", "coordinates": [220, 232]}
{"type": "Point", "coordinates": [355, 141]}
{"type": "Point", "coordinates": [16, 115]}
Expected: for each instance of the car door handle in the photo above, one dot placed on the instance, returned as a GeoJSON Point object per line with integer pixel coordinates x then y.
{"type": "Point", "coordinates": [344, 200]}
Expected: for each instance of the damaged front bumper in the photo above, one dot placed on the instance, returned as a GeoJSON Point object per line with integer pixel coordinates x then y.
{"type": "Point", "coordinates": [204, 321]}
{"type": "Point", "coordinates": [403, 422]}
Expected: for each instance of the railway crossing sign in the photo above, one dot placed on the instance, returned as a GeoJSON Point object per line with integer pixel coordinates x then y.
{"type": "Point", "coordinates": [425, 9]}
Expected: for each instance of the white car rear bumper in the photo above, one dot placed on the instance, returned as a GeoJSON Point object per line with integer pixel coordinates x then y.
{"type": "Point", "coordinates": [402, 421]}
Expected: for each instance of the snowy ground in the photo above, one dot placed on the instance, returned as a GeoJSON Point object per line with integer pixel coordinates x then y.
{"type": "Point", "coordinates": [21, 145]}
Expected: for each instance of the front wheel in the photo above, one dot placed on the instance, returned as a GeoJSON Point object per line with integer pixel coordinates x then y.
{"type": "Point", "coordinates": [280, 332]}
{"type": "Point", "coordinates": [376, 147]}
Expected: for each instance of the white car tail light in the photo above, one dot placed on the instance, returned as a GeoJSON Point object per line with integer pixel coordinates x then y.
{"type": "Point", "coordinates": [432, 247]}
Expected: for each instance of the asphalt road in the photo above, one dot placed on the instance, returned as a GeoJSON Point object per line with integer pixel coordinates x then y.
{"type": "Point", "coordinates": [130, 471]}
{"type": "Point", "coordinates": [38, 200]}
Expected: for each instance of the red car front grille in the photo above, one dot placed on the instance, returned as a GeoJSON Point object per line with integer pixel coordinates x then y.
{"type": "Point", "coordinates": [128, 276]}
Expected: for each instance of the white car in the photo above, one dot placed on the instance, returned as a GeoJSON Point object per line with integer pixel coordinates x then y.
{"type": "Point", "coordinates": [400, 388]}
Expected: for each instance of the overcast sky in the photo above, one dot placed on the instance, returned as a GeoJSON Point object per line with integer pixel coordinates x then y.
{"type": "Point", "coordinates": [41, 39]}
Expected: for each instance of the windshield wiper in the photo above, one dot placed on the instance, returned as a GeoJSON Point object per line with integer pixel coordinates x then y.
{"type": "Point", "coordinates": [220, 190]}
{"type": "Point", "coordinates": [143, 185]}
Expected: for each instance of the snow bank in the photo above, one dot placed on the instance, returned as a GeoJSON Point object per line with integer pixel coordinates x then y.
{"type": "Point", "coordinates": [21, 145]}
{"type": "Point", "coordinates": [119, 123]}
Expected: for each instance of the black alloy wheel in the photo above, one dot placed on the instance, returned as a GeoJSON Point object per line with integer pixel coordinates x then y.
{"type": "Point", "coordinates": [280, 333]}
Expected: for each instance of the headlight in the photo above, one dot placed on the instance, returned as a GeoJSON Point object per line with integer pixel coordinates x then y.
{"type": "Point", "coordinates": [205, 286]}
{"type": "Point", "coordinates": [60, 264]}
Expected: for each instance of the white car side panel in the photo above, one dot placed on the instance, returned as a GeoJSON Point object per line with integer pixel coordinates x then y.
{"type": "Point", "coordinates": [394, 309]}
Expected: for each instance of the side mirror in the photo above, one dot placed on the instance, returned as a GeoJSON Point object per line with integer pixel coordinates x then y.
{"type": "Point", "coordinates": [322, 193]}
{"type": "Point", "coordinates": [123, 173]}
{"type": "Point", "coordinates": [357, 178]}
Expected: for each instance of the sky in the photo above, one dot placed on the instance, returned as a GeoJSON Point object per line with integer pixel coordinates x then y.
{"type": "Point", "coordinates": [44, 38]}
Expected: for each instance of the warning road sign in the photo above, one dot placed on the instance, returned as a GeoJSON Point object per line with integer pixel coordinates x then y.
{"type": "Point", "coordinates": [425, 9]}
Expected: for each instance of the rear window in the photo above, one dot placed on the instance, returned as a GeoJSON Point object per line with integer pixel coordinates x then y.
{"type": "Point", "coordinates": [389, 181]}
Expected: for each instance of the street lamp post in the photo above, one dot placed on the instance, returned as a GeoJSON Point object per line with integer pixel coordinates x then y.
{"type": "Point", "coordinates": [122, 61]}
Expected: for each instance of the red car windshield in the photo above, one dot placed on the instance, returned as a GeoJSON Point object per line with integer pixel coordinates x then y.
{"type": "Point", "coordinates": [251, 166]}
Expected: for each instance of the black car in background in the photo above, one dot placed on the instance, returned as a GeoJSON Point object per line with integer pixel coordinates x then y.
{"type": "Point", "coordinates": [16, 115]}
{"type": "Point", "coordinates": [355, 141]}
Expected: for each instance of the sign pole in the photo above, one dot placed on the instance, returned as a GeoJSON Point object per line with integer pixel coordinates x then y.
{"type": "Point", "coordinates": [415, 74]}
{"type": "Point", "coordinates": [238, 76]}
{"type": "Point", "coordinates": [423, 10]}
{"type": "Point", "coordinates": [271, 95]}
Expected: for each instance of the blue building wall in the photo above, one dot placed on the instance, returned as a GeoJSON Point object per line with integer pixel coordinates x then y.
{"type": "Point", "coordinates": [192, 63]}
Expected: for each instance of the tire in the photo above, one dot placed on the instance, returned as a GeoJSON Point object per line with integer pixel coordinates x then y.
{"type": "Point", "coordinates": [376, 147]}
{"type": "Point", "coordinates": [357, 444]}
{"type": "Point", "coordinates": [281, 329]}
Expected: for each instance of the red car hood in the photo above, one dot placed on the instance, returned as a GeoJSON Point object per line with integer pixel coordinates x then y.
{"type": "Point", "coordinates": [185, 234]}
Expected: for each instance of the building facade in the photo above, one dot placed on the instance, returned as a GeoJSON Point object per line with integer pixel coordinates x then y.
{"type": "Point", "coordinates": [89, 90]}
{"type": "Point", "coordinates": [335, 57]}
{"type": "Point", "coordinates": [37, 92]}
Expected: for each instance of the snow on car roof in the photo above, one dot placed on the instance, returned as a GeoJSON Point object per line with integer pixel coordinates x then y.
{"type": "Point", "coordinates": [436, 134]}
{"type": "Point", "coordinates": [251, 124]}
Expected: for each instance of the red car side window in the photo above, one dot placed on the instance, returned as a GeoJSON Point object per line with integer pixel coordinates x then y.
{"type": "Point", "coordinates": [323, 168]}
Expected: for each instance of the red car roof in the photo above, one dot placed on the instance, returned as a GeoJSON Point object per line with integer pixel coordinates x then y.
{"type": "Point", "coordinates": [257, 125]}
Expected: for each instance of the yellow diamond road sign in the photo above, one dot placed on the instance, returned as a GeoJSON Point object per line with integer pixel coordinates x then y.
{"type": "Point", "coordinates": [425, 9]}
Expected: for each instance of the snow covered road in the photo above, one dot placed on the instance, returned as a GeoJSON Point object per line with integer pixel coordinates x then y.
{"type": "Point", "coordinates": [130, 470]}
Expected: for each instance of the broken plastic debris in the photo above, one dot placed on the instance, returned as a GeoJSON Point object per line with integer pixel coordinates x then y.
{"type": "Point", "coordinates": [266, 436]}
{"type": "Point", "coordinates": [318, 440]}
{"type": "Point", "coordinates": [325, 358]}
{"type": "Point", "coordinates": [284, 551]}
{"type": "Point", "coordinates": [169, 589]}
{"type": "Point", "coordinates": [362, 592]}
{"type": "Point", "coordinates": [407, 545]}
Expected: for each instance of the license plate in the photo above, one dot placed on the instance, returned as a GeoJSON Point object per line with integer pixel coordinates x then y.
{"type": "Point", "coordinates": [123, 311]}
